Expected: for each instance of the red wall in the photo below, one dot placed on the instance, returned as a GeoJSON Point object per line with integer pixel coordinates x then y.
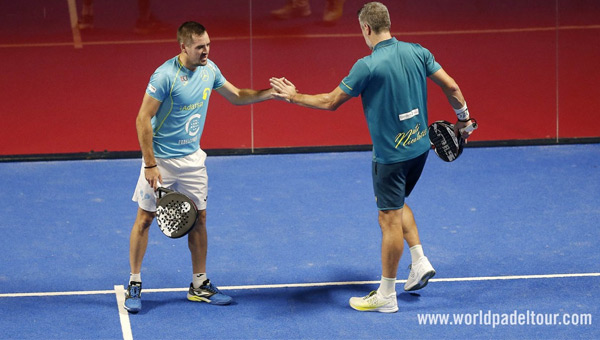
{"type": "Point", "coordinates": [527, 68]}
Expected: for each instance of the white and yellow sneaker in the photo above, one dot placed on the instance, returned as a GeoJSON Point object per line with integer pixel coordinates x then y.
{"type": "Point", "coordinates": [375, 302]}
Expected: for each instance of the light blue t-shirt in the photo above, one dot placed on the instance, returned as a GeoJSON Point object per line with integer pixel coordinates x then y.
{"type": "Point", "coordinates": [184, 97]}
{"type": "Point", "coordinates": [392, 82]}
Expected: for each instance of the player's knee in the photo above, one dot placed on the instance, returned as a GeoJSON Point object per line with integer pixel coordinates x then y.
{"type": "Point", "coordinates": [144, 219]}
{"type": "Point", "coordinates": [390, 220]}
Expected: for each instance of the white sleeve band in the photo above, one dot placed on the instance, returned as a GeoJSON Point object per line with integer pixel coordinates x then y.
{"type": "Point", "coordinates": [462, 113]}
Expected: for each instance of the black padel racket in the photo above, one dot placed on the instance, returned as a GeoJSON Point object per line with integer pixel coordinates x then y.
{"type": "Point", "coordinates": [444, 142]}
{"type": "Point", "coordinates": [176, 213]}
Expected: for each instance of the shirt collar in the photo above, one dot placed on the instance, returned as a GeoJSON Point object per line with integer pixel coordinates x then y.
{"type": "Point", "coordinates": [185, 69]}
{"type": "Point", "coordinates": [385, 43]}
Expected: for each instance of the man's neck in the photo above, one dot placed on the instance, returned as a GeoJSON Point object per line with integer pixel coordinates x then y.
{"type": "Point", "coordinates": [183, 61]}
{"type": "Point", "coordinates": [377, 38]}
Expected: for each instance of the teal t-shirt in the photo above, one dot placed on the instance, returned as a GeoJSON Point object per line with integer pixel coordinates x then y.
{"type": "Point", "coordinates": [184, 97]}
{"type": "Point", "coordinates": [392, 83]}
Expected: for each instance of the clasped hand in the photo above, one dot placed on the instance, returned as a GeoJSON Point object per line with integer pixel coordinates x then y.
{"type": "Point", "coordinates": [283, 89]}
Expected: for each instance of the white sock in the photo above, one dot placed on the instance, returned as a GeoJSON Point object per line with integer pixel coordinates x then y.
{"type": "Point", "coordinates": [135, 277]}
{"type": "Point", "coordinates": [416, 252]}
{"type": "Point", "coordinates": [387, 286]}
{"type": "Point", "coordinates": [198, 279]}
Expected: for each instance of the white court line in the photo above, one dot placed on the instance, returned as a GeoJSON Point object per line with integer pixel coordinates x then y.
{"type": "Point", "coordinates": [313, 284]}
{"type": "Point", "coordinates": [123, 314]}
{"type": "Point", "coordinates": [90, 292]}
{"type": "Point", "coordinates": [77, 43]}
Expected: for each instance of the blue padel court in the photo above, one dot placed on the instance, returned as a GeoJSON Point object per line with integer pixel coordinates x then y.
{"type": "Point", "coordinates": [513, 233]}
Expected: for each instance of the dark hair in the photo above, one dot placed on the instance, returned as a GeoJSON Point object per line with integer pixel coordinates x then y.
{"type": "Point", "coordinates": [376, 15]}
{"type": "Point", "coordinates": [187, 30]}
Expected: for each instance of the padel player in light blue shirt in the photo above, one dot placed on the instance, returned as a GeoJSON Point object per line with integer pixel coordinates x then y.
{"type": "Point", "coordinates": [392, 82]}
{"type": "Point", "coordinates": [169, 127]}
{"type": "Point", "coordinates": [184, 95]}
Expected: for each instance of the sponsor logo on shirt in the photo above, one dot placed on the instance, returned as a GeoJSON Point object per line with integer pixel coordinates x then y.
{"type": "Point", "coordinates": [151, 88]}
{"type": "Point", "coordinates": [408, 115]}
{"type": "Point", "coordinates": [204, 74]}
{"type": "Point", "coordinates": [188, 141]}
{"type": "Point", "coordinates": [191, 106]}
{"type": "Point", "coordinates": [192, 127]}
{"type": "Point", "coordinates": [411, 136]}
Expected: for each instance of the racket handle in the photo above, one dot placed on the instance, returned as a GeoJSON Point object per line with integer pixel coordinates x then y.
{"type": "Point", "coordinates": [158, 192]}
{"type": "Point", "coordinates": [469, 128]}
{"type": "Point", "coordinates": [161, 191]}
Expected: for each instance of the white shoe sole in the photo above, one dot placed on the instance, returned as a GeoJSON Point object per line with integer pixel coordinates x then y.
{"type": "Point", "coordinates": [383, 309]}
{"type": "Point", "coordinates": [378, 309]}
{"type": "Point", "coordinates": [422, 282]}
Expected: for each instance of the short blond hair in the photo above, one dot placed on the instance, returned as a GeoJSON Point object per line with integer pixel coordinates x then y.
{"type": "Point", "coordinates": [376, 15]}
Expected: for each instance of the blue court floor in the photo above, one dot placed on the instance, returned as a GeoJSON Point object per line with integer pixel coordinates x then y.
{"type": "Point", "coordinates": [511, 231]}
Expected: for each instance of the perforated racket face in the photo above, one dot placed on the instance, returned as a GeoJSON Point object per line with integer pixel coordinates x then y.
{"type": "Point", "coordinates": [444, 142]}
{"type": "Point", "coordinates": [175, 214]}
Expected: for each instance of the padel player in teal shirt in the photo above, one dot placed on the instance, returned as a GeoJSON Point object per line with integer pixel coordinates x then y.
{"type": "Point", "coordinates": [392, 82]}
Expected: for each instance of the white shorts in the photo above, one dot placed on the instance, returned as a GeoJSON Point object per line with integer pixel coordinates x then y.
{"type": "Point", "coordinates": [186, 175]}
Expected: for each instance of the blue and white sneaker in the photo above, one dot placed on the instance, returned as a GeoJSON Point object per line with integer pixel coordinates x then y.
{"type": "Point", "coordinates": [133, 297]}
{"type": "Point", "coordinates": [207, 292]}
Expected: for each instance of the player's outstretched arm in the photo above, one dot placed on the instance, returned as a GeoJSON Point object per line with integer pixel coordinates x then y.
{"type": "Point", "coordinates": [244, 96]}
{"type": "Point", "coordinates": [286, 90]}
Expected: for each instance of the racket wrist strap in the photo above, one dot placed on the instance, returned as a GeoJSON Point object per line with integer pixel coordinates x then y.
{"type": "Point", "coordinates": [463, 113]}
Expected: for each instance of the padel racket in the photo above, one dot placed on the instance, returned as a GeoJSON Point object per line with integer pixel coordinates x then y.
{"type": "Point", "coordinates": [444, 141]}
{"type": "Point", "coordinates": [176, 213]}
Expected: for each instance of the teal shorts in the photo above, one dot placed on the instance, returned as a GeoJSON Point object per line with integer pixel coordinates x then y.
{"type": "Point", "coordinates": [392, 183]}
